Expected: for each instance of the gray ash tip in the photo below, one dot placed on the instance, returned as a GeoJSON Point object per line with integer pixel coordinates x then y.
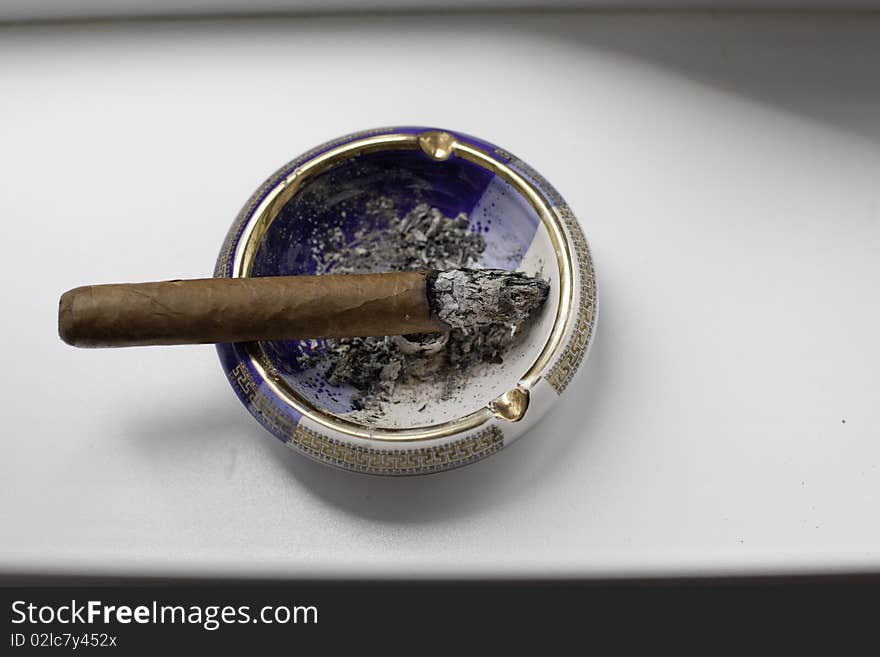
{"type": "Point", "coordinates": [472, 298]}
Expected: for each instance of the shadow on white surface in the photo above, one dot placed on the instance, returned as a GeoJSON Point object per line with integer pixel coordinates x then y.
{"type": "Point", "coordinates": [182, 434]}
{"type": "Point", "coordinates": [185, 433]}
{"type": "Point", "coordinates": [527, 464]}
{"type": "Point", "coordinates": [789, 61]}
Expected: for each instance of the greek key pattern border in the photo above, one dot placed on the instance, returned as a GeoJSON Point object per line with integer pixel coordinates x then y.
{"type": "Point", "coordinates": [261, 404]}
{"type": "Point", "coordinates": [565, 367]}
{"type": "Point", "coordinates": [563, 370]}
{"type": "Point", "coordinates": [397, 461]}
{"type": "Point", "coordinates": [365, 459]}
{"type": "Point", "coordinates": [525, 169]}
{"type": "Point", "coordinates": [243, 380]}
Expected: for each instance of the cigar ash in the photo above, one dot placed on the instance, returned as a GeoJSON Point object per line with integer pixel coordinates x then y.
{"type": "Point", "coordinates": [467, 298]}
{"type": "Point", "coordinates": [488, 312]}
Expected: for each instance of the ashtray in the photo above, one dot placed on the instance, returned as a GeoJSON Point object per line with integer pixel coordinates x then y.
{"type": "Point", "coordinates": [336, 192]}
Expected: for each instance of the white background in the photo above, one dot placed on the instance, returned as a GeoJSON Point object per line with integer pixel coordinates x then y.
{"type": "Point", "coordinates": [725, 170]}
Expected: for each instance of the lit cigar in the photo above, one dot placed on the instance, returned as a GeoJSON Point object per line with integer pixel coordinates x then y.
{"type": "Point", "coordinates": [215, 310]}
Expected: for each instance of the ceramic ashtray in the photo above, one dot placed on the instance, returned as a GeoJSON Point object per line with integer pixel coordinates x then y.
{"type": "Point", "coordinates": [397, 198]}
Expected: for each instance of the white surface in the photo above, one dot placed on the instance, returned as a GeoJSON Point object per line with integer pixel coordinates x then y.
{"type": "Point", "coordinates": [726, 173]}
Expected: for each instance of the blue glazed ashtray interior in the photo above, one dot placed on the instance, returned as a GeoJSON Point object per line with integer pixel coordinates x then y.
{"type": "Point", "coordinates": [323, 201]}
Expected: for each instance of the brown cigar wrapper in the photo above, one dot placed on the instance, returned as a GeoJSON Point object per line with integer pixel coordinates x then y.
{"type": "Point", "coordinates": [245, 309]}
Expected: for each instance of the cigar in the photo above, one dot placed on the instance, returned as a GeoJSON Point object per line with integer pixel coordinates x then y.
{"type": "Point", "coordinates": [213, 310]}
